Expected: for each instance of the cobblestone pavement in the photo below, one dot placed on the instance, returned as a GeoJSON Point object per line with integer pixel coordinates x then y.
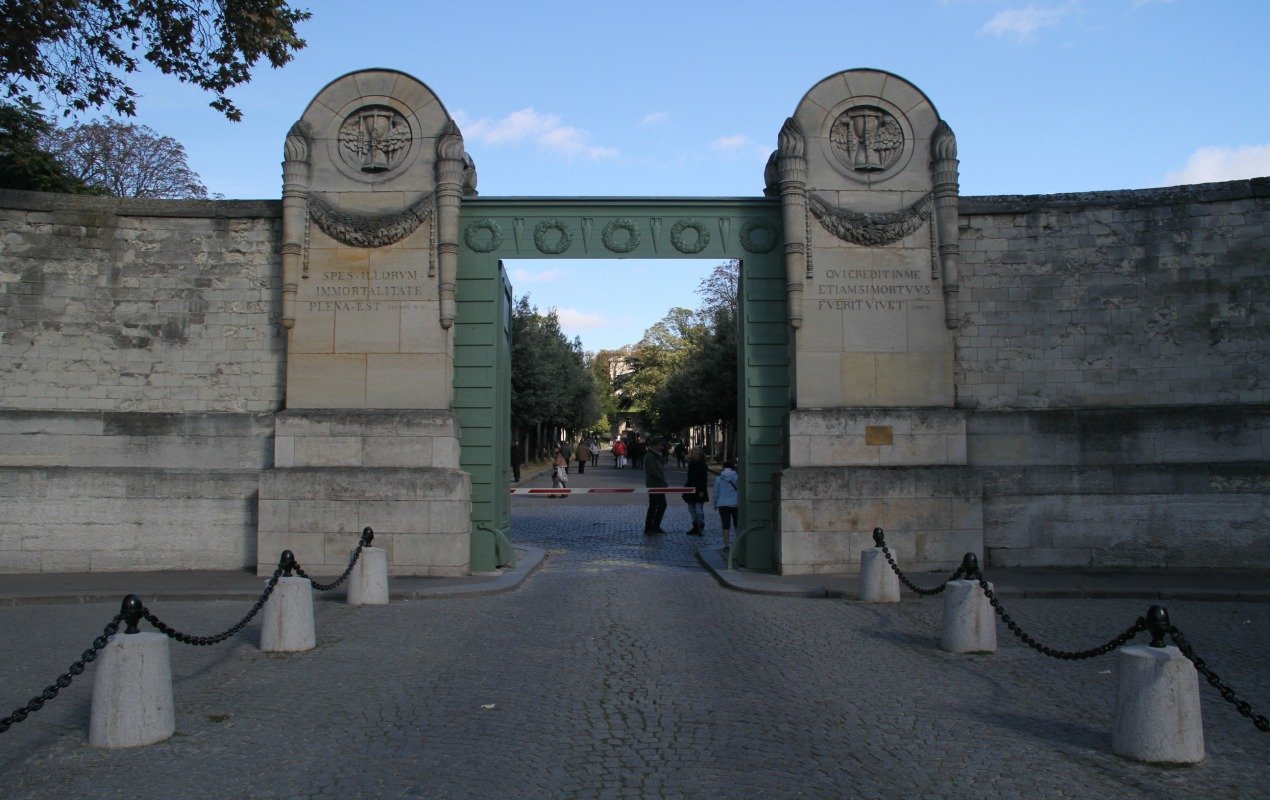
{"type": "Point", "coordinates": [621, 669]}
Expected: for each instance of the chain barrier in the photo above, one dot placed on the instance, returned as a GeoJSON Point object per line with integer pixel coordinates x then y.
{"type": "Point", "coordinates": [63, 680]}
{"type": "Point", "coordinates": [367, 536]}
{"type": "Point", "coordinates": [203, 641]}
{"type": "Point", "coordinates": [879, 539]}
{"type": "Point", "coordinates": [1242, 706]}
{"type": "Point", "coordinates": [1068, 655]}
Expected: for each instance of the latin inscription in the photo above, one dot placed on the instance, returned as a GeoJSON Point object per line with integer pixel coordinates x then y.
{"type": "Point", "coordinates": [871, 289]}
{"type": "Point", "coordinates": [336, 290]}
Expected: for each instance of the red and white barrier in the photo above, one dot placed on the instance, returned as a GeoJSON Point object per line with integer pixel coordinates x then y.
{"type": "Point", "coordinates": [622, 490]}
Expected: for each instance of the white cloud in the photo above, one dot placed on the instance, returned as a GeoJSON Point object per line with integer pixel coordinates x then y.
{"type": "Point", "coordinates": [655, 118]}
{"type": "Point", "coordinates": [528, 276]}
{"type": "Point", "coordinates": [574, 319]}
{"type": "Point", "coordinates": [1020, 23]}
{"type": "Point", "coordinates": [546, 130]}
{"type": "Point", "coordinates": [730, 144]}
{"type": "Point", "coordinates": [1209, 164]}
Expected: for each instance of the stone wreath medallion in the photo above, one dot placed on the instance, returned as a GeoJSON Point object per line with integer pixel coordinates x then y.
{"type": "Point", "coordinates": [677, 236]}
{"type": "Point", "coordinates": [540, 237]}
{"type": "Point", "coordinates": [762, 245]}
{"type": "Point", "coordinates": [867, 139]}
{"type": "Point", "coordinates": [611, 241]}
{"type": "Point", "coordinates": [472, 239]}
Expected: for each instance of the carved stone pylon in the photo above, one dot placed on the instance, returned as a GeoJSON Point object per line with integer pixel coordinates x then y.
{"type": "Point", "coordinates": [452, 163]}
{"type": "Point", "coordinates": [295, 195]}
{"type": "Point", "coordinates": [791, 166]}
{"type": "Point", "coordinates": [944, 175]}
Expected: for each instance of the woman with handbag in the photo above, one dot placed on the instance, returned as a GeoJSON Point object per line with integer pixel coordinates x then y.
{"type": "Point", "coordinates": [697, 477]}
{"type": "Point", "coordinates": [559, 473]}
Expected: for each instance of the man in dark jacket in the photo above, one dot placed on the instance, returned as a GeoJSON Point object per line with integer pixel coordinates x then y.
{"type": "Point", "coordinates": [655, 477]}
{"type": "Point", "coordinates": [518, 458]}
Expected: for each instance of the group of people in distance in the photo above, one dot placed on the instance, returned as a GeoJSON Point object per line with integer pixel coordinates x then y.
{"type": "Point", "coordinates": [634, 451]}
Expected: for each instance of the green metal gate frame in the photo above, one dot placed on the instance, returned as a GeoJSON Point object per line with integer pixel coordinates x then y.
{"type": "Point", "coordinates": [494, 229]}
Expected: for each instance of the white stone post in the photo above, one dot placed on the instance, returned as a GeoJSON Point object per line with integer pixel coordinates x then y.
{"type": "Point", "coordinates": [132, 692]}
{"type": "Point", "coordinates": [878, 582]}
{"type": "Point", "coordinates": [1157, 701]}
{"type": "Point", "coordinates": [287, 618]}
{"type": "Point", "coordinates": [970, 626]}
{"type": "Point", "coordinates": [368, 582]}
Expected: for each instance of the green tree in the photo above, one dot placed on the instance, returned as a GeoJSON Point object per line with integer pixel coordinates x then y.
{"type": "Point", "coordinates": [80, 51]}
{"type": "Point", "coordinates": [125, 160]}
{"type": "Point", "coordinates": [24, 162]}
{"type": "Point", "coordinates": [552, 384]}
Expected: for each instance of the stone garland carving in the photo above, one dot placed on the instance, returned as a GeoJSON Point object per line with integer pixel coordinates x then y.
{"type": "Point", "coordinates": [611, 241]}
{"type": "Point", "coordinates": [358, 229]}
{"type": "Point", "coordinates": [759, 247]}
{"type": "Point", "coordinates": [871, 229]}
{"type": "Point", "coordinates": [677, 236]}
{"type": "Point", "coordinates": [725, 230]}
{"type": "Point", "coordinates": [474, 243]}
{"type": "Point", "coordinates": [518, 231]}
{"type": "Point", "coordinates": [540, 237]}
{"type": "Point", "coordinates": [655, 224]}
{"type": "Point", "coordinates": [587, 224]}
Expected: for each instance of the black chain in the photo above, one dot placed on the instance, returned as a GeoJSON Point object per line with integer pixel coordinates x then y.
{"type": "Point", "coordinates": [63, 680]}
{"type": "Point", "coordinates": [202, 641]}
{"type": "Point", "coordinates": [1069, 655]}
{"type": "Point", "coordinates": [367, 535]}
{"type": "Point", "coordinates": [886, 551]}
{"type": "Point", "coordinates": [1228, 694]}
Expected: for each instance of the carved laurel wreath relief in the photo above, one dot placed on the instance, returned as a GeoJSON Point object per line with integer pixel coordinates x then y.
{"type": "Point", "coordinates": [870, 229]}
{"type": "Point", "coordinates": [361, 229]}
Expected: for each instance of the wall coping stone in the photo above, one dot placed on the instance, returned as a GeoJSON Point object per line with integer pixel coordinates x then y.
{"type": "Point", "coordinates": [1119, 198]}
{"type": "Point", "coordinates": [140, 207]}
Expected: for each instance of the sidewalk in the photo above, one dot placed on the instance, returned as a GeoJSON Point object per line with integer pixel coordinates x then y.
{"type": "Point", "coordinates": [1249, 586]}
{"type": "Point", "coordinates": [174, 585]}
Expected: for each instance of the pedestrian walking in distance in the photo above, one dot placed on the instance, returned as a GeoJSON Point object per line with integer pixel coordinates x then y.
{"type": "Point", "coordinates": [518, 458]}
{"type": "Point", "coordinates": [725, 501]}
{"type": "Point", "coordinates": [595, 451]}
{"type": "Point", "coordinates": [697, 477]}
{"type": "Point", "coordinates": [559, 472]}
{"type": "Point", "coordinates": [566, 450]}
{"type": "Point", "coordinates": [655, 478]}
{"type": "Point", "coordinates": [582, 455]}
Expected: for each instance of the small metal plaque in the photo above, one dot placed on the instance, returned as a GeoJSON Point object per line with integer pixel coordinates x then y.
{"type": "Point", "coordinates": [878, 434]}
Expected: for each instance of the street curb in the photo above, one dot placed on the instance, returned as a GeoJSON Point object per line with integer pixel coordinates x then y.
{"type": "Point", "coordinates": [766, 583]}
{"type": "Point", "coordinates": [528, 559]}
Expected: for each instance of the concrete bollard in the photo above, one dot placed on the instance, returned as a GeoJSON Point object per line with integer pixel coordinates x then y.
{"type": "Point", "coordinates": [970, 626]}
{"type": "Point", "coordinates": [1157, 701]}
{"type": "Point", "coordinates": [132, 692]}
{"type": "Point", "coordinates": [878, 582]}
{"type": "Point", "coordinates": [368, 582]}
{"type": "Point", "coordinates": [287, 618]}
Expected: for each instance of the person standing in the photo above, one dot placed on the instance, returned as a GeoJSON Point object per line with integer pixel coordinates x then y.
{"type": "Point", "coordinates": [582, 455]}
{"type": "Point", "coordinates": [595, 451]}
{"type": "Point", "coordinates": [518, 458]}
{"type": "Point", "coordinates": [679, 451]}
{"type": "Point", "coordinates": [619, 453]}
{"type": "Point", "coordinates": [655, 478]}
{"type": "Point", "coordinates": [726, 499]}
{"type": "Point", "coordinates": [566, 449]}
{"type": "Point", "coordinates": [636, 449]}
{"type": "Point", "coordinates": [559, 472]}
{"type": "Point", "coordinates": [697, 477]}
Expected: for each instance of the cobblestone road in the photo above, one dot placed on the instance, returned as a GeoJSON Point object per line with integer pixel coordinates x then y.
{"type": "Point", "coordinates": [621, 669]}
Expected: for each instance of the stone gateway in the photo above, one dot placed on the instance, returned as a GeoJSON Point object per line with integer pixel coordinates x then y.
{"type": "Point", "coordinates": [1068, 380]}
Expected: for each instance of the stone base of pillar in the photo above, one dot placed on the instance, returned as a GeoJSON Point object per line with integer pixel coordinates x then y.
{"type": "Point", "coordinates": [878, 582]}
{"type": "Point", "coordinates": [1157, 707]}
{"type": "Point", "coordinates": [132, 692]}
{"type": "Point", "coordinates": [970, 625]}
{"type": "Point", "coordinates": [368, 582]}
{"type": "Point", "coordinates": [287, 618]}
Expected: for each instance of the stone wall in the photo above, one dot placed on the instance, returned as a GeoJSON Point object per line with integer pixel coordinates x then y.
{"type": "Point", "coordinates": [1131, 298]}
{"type": "Point", "coordinates": [130, 305]}
{"type": "Point", "coordinates": [1110, 354]}
{"type": "Point", "coordinates": [140, 366]}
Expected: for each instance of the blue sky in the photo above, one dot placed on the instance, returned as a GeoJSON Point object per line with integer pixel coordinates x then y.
{"type": "Point", "coordinates": [685, 99]}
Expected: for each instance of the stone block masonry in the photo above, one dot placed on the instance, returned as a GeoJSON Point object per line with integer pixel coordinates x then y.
{"type": "Point", "coordinates": [109, 304]}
